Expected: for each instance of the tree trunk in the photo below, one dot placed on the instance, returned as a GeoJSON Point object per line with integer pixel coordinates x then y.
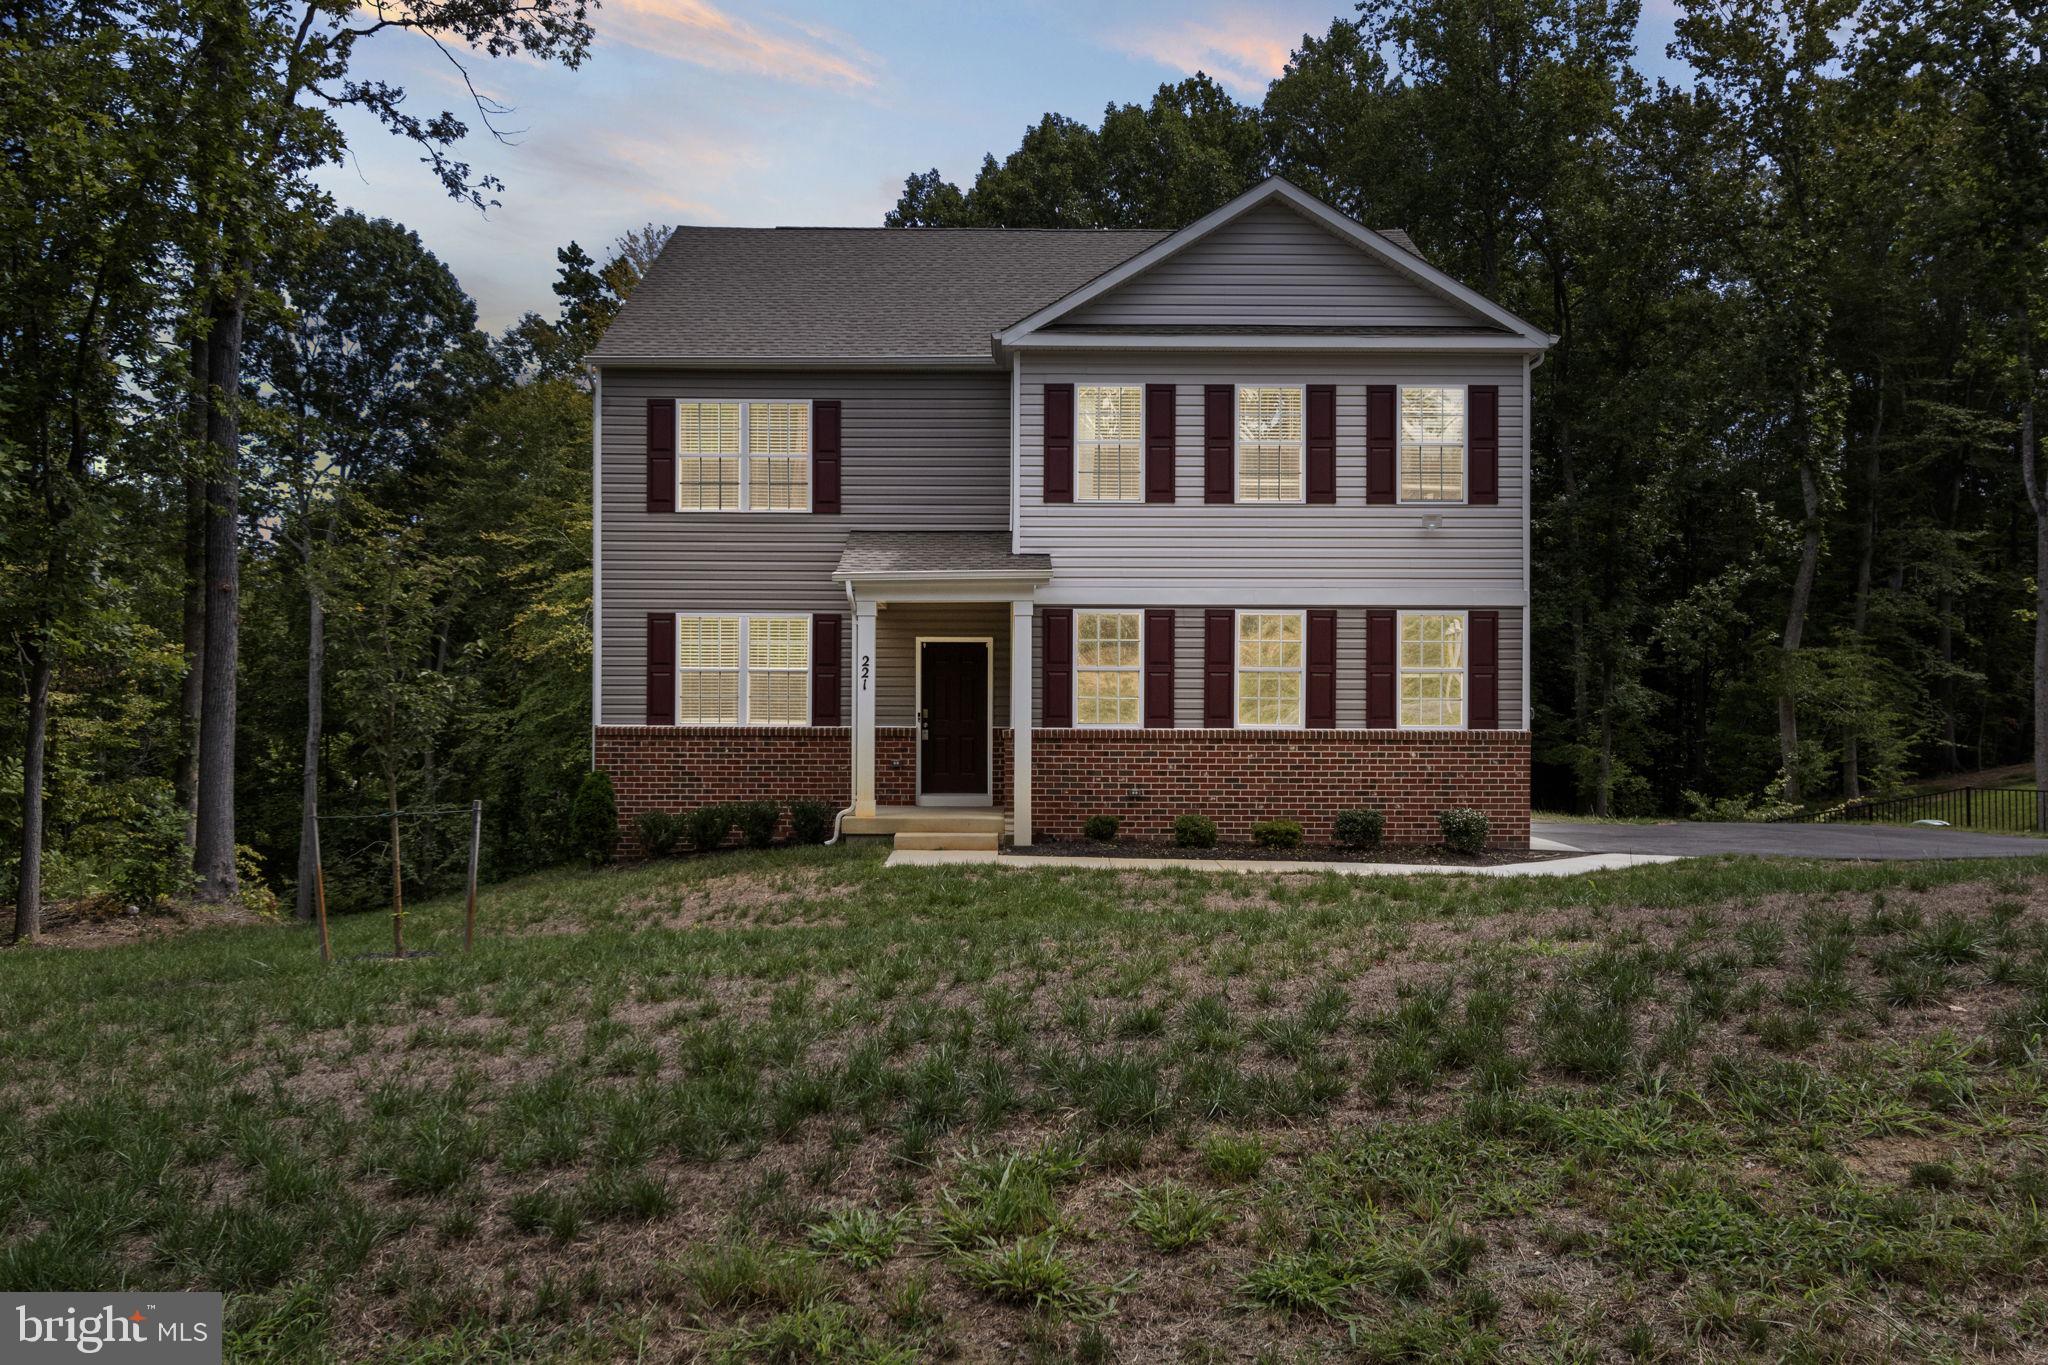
{"type": "Point", "coordinates": [1795, 629]}
{"type": "Point", "coordinates": [2029, 465]}
{"type": "Point", "coordinates": [309, 773]}
{"type": "Point", "coordinates": [28, 899]}
{"type": "Point", "coordinates": [397, 869]}
{"type": "Point", "coordinates": [194, 629]}
{"type": "Point", "coordinates": [213, 854]}
{"type": "Point", "coordinates": [1866, 556]}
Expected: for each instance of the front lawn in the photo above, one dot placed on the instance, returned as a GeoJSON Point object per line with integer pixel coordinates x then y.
{"type": "Point", "coordinates": [793, 1106]}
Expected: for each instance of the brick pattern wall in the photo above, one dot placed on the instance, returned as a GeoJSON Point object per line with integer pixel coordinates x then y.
{"type": "Point", "coordinates": [1145, 776]}
{"type": "Point", "coordinates": [1235, 777]}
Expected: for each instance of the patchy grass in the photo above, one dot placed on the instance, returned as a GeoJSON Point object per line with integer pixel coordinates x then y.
{"type": "Point", "coordinates": [791, 1106]}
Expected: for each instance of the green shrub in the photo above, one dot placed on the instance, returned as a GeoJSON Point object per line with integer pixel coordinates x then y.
{"type": "Point", "coordinates": [756, 820]}
{"type": "Point", "coordinates": [810, 822]}
{"type": "Point", "coordinates": [1360, 828]}
{"type": "Point", "coordinates": [1194, 831]}
{"type": "Point", "coordinates": [594, 820]}
{"type": "Point", "coordinates": [153, 860]}
{"type": "Point", "coordinates": [658, 830]}
{"type": "Point", "coordinates": [708, 826]}
{"type": "Point", "coordinates": [1464, 829]}
{"type": "Point", "coordinates": [1276, 833]}
{"type": "Point", "coordinates": [1101, 828]}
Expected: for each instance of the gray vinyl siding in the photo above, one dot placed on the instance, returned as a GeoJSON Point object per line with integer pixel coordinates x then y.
{"type": "Point", "coordinates": [897, 628]}
{"type": "Point", "coordinates": [926, 451]}
{"type": "Point", "coordinates": [1188, 653]}
{"type": "Point", "coordinates": [1247, 554]}
{"type": "Point", "coordinates": [1273, 267]}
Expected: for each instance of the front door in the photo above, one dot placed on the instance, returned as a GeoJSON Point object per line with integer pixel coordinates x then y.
{"type": "Point", "coordinates": [952, 719]}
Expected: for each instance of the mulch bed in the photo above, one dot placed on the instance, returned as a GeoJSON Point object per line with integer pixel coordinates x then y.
{"type": "Point", "coordinates": [1419, 853]}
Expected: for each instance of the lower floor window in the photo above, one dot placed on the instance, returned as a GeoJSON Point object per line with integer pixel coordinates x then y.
{"type": "Point", "coordinates": [1269, 654]}
{"type": "Point", "coordinates": [1432, 670]}
{"type": "Point", "coordinates": [1106, 673]}
{"type": "Point", "coordinates": [743, 670]}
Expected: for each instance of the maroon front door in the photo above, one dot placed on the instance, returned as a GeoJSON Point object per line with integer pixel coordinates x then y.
{"type": "Point", "coordinates": [953, 719]}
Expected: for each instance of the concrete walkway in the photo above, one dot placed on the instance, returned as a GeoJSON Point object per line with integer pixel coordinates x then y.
{"type": "Point", "coordinates": [1554, 867]}
{"type": "Point", "coordinates": [1689, 839]}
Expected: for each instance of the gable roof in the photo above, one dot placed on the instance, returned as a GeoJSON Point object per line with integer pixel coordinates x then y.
{"type": "Point", "coordinates": [1401, 257]}
{"type": "Point", "coordinates": [850, 295]}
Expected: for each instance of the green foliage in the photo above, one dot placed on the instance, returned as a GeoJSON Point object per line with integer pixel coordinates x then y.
{"type": "Point", "coordinates": [1464, 829]}
{"type": "Point", "coordinates": [708, 825]}
{"type": "Point", "coordinates": [756, 822]}
{"type": "Point", "coordinates": [659, 830]}
{"type": "Point", "coordinates": [1276, 833]}
{"type": "Point", "coordinates": [1194, 831]}
{"type": "Point", "coordinates": [1173, 1217]}
{"type": "Point", "coordinates": [1100, 828]}
{"type": "Point", "coordinates": [1359, 828]}
{"type": "Point", "coordinates": [594, 819]}
{"type": "Point", "coordinates": [810, 822]}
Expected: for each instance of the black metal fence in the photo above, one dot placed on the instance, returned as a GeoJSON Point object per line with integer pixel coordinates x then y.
{"type": "Point", "coordinates": [2019, 809]}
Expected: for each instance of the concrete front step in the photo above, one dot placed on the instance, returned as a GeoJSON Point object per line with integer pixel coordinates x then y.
{"type": "Point", "coordinates": [927, 820]}
{"type": "Point", "coordinates": [981, 841]}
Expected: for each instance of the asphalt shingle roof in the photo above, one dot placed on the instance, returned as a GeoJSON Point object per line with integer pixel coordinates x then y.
{"type": "Point", "coordinates": [883, 553]}
{"type": "Point", "coordinates": [859, 294]}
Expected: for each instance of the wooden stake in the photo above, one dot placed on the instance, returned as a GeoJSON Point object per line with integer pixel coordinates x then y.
{"type": "Point", "coordinates": [476, 834]}
{"type": "Point", "coordinates": [320, 893]}
{"type": "Point", "coordinates": [397, 882]}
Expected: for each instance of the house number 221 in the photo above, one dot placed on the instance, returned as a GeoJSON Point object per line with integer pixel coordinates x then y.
{"type": "Point", "coordinates": [864, 662]}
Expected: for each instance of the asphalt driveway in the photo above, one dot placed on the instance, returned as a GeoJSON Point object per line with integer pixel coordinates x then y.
{"type": "Point", "coordinates": [1789, 841]}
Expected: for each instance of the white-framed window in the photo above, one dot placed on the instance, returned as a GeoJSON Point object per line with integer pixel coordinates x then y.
{"type": "Point", "coordinates": [1271, 442]}
{"type": "Point", "coordinates": [1432, 683]}
{"type": "Point", "coordinates": [1432, 444]}
{"type": "Point", "coordinates": [1108, 664]}
{"type": "Point", "coordinates": [752, 456]}
{"type": "Point", "coordinates": [743, 670]}
{"type": "Point", "coordinates": [1109, 443]}
{"type": "Point", "coordinates": [1270, 653]}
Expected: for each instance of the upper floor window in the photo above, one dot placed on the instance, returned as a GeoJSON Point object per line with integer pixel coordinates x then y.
{"type": "Point", "coordinates": [1432, 670]}
{"type": "Point", "coordinates": [1107, 686]}
{"type": "Point", "coordinates": [1109, 464]}
{"type": "Point", "coordinates": [733, 457]}
{"type": "Point", "coordinates": [1432, 445]}
{"type": "Point", "coordinates": [743, 670]}
{"type": "Point", "coordinates": [1269, 443]}
{"type": "Point", "coordinates": [1269, 667]}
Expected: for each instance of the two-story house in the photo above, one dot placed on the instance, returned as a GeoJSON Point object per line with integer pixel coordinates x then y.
{"type": "Point", "coordinates": [974, 524]}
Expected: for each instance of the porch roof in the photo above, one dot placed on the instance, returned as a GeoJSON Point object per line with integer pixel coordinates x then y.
{"type": "Point", "coordinates": [937, 556]}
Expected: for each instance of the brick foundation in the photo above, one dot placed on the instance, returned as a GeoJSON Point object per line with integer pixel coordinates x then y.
{"type": "Point", "coordinates": [1235, 777]}
{"type": "Point", "coordinates": [1146, 777]}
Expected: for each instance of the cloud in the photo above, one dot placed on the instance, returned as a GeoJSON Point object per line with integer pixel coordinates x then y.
{"type": "Point", "coordinates": [700, 33]}
{"type": "Point", "coordinates": [1244, 51]}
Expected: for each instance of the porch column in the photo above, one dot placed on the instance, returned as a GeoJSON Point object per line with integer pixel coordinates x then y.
{"type": "Point", "coordinates": [863, 707]}
{"type": "Point", "coordinates": [1021, 636]}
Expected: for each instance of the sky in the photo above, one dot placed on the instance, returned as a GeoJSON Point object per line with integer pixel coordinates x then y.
{"type": "Point", "coordinates": [791, 112]}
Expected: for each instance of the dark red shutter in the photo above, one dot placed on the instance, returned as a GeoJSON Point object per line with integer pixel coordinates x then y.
{"type": "Point", "coordinates": [661, 668]}
{"type": "Point", "coordinates": [1219, 658]}
{"type": "Point", "coordinates": [1482, 671]}
{"type": "Point", "coordinates": [825, 457]}
{"type": "Point", "coordinates": [1056, 669]}
{"type": "Point", "coordinates": [1159, 670]}
{"type": "Point", "coordinates": [1379, 443]}
{"type": "Point", "coordinates": [1379, 669]}
{"type": "Point", "coordinates": [1219, 443]}
{"type": "Point", "coordinates": [661, 454]}
{"type": "Point", "coordinates": [1322, 443]}
{"type": "Point", "coordinates": [826, 677]}
{"type": "Point", "coordinates": [1159, 399]}
{"type": "Point", "coordinates": [1059, 444]}
{"type": "Point", "coordinates": [1483, 445]}
{"type": "Point", "coordinates": [1321, 711]}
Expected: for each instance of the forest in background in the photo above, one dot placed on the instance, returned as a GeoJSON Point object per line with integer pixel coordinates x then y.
{"type": "Point", "coordinates": [279, 523]}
